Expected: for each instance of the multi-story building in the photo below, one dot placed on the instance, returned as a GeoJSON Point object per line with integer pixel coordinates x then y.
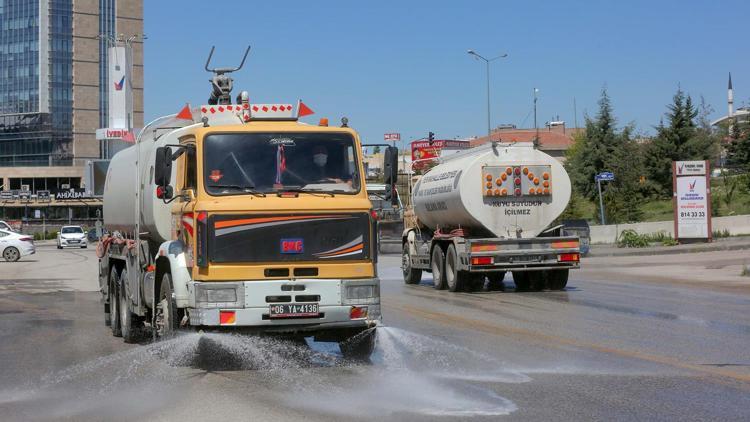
{"type": "Point", "coordinates": [53, 96]}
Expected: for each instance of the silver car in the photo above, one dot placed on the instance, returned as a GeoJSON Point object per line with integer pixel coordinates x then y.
{"type": "Point", "coordinates": [71, 237]}
{"type": "Point", "coordinates": [15, 245]}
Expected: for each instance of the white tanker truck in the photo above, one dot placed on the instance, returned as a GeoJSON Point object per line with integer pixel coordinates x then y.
{"type": "Point", "coordinates": [486, 211]}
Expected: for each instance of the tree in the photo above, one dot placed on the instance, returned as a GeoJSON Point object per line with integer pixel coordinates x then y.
{"type": "Point", "coordinates": [738, 152]}
{"type": "Point", "coordinates": [376, 150]}
{"type": "Point", "coordinates": [602, 148]}
{"type": "Point", "coordinates": [680, 139]}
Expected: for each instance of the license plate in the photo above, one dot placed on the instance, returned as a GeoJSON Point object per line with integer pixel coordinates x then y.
{"type": "Point", "coordinates": [294, 310]}
{"type": "Point", "coordinates": [72, 241]}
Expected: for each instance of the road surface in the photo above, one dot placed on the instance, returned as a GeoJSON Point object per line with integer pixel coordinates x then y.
{"type": "Point", "coordinates": [639, 338]}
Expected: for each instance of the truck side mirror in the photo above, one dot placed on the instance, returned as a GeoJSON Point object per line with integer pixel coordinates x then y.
{"type": "Point", "coordinates": [163, 172]}
{"type": "Point", "coordinates": [163, 166]}
{"type": "Point", "coordinates": [390, 165]}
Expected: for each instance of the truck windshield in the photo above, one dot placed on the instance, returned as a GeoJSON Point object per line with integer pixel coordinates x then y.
{"type": "Point", "coordinates": [238, 163]}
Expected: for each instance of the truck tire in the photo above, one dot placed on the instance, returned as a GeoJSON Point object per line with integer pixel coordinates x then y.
{"type": "Point", "coordinates": [112, 297]}
{"type": "Point", "coordinates": [128, 320]}
{"type": "Point", "coordinates": [537, 280]}
{"type": "Point", "coordinates": [359, 347]}
{"type": "Point", "coordinates": [456, 280]}
{"type": "Point", "coordinates": [167, 321]}
{"type": "Point", "coordinates": [557, 279]}
{"type": "Point", "coordinates": [496, 281]}
{"type": "Point", "coordinates": [11, 254]}
{"type": "Point", "coordinates": [437, 263]}
{"type": "Point", "coordinates": [522, 280]}
{"type": "Point", "coordinates": [411, 275]}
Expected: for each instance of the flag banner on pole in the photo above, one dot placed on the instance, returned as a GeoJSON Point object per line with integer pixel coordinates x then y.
{"type": "Point", "coordinates": [303, 110]}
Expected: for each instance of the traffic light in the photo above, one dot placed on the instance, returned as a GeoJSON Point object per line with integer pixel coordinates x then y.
{"type": "Point", "coordinates": [431, 137]}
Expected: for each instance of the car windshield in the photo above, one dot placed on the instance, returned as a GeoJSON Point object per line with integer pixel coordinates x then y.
{"type": "Point", "coordinates": [71, 230]}
{"type": "Point", "coordinates": [270, 162]}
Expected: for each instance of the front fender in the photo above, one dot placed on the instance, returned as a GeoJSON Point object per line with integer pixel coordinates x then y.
{"type": "Point", "coordinates": [174, 251]}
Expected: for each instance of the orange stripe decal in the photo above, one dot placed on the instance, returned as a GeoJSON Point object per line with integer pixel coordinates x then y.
{"type": "Point", "coordinates": [244, 221]}
{"type": "Point", "coordinates": [565, 244]}
{"type": "Point", "coordinates": [352, 249]}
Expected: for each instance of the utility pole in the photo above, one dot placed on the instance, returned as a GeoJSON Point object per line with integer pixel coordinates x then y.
{"type": "Point", "coordinates": [487, 62]}
{"type": "Point", "coordinates": [536, 127]}
{"type": "Point", "coordinates": [601, 204]}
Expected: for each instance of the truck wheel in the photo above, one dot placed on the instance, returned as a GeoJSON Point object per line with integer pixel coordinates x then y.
{"type": "Point", "coordinates": [557, 279]}
{"type": "Point", "coordinates": [11, 254]}
{"type": "Point", "coordinates": [359, 347]}
{"type": "Point", "coordinates": [455, 279]}
{"type": "Point", "coordinates": [496, 282]}
{"type": "Point", "coordinates": [411, 275]}
{"type": "Point", "coordinates": [538, 280]}
{"type": "Point", "coordinates": [113, 300]}
{"type": "Point", "coordinates": [128, 321]}
{"type": "Point", "coordinates": [522, 280]}
{"type": "Point", "coordinates": [166, 309]}
{"type": "Point", "coordinates": [438, 267]}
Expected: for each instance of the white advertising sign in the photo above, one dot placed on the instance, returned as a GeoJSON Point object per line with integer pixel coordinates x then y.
{"type": "Point", "coordinates": [692, 207]}
{"type": "Point", "coordinates": [119, 89]}
{"type": "Point", "coordinates": [691, 168]}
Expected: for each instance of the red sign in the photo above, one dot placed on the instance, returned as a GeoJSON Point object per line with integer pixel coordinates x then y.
{"type": "Point", "coordinates": [392, 137]}
{"type": "Point", "coordinates": [422, 150]}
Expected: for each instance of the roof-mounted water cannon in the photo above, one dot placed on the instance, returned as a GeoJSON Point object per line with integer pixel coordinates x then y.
{"type": "Point", "coordinates": [221, 82]}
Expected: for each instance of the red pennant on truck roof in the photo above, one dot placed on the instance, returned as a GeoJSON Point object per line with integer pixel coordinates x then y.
{"type": "Point", "coordinates": [303, 110]}
{"type": "Point", "coordinates": [185, 113]}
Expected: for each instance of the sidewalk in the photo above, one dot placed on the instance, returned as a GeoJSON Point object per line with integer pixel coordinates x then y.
{"type": "Point", "coordinates": [723, 244]}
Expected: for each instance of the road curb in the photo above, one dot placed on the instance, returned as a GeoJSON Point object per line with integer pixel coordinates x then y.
{"type": "Point", "coordinates": [668, 250]}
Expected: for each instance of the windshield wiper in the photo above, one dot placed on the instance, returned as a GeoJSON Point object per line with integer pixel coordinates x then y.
{"type": "Point", "coordinates": [301, 190]}
{"type": "Point", "coordinates": [246, 189]}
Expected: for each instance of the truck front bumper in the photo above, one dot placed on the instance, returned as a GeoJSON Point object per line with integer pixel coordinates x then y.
{"type": "Point", "coordinates": [342, 304]}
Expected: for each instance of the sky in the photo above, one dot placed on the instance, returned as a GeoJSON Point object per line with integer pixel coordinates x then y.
{"type": "Point", "coordinates": [402, 66]}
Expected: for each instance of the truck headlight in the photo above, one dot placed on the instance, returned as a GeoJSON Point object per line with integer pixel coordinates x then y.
{"type": "Point", "coordinates": [361, 294]}
{"type": "Point", "coordinates": [217, 295]}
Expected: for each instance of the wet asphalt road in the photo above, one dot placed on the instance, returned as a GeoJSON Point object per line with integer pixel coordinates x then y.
{"type": "Point", "coordinates": [607, 348]}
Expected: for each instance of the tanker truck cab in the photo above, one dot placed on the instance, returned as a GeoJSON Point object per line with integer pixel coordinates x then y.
{"type": "Point", "coordinates": [260, 223]}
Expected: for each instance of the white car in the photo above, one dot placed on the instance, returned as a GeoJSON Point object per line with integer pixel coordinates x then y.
{"type": "Point", "coordinates": [5, 226]}
{"type": "Point", "coordinates": [71, 236]}
{"type": "Point", "coordinates": [15, 245]}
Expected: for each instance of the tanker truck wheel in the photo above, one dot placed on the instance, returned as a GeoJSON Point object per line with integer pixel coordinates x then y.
{"type": "Point", "coordinates": [455, 279]}
{"type": "Point", "coordinates": [128, 320]}
{"type": "Point", "coordinates": [411, 275]}
{"type": "Point", "coordinates": [522, 280]}
{"type": "Point", "coordinates": [437, 262]}
{"type": "Point", "coordinates": [166, 309]}
{"type": "Point", "coordinates": [557, 279]}
{"type": "Point", "coordinates": [112, 297]}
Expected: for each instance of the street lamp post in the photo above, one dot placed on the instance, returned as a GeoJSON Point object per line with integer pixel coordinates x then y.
{"type": "Point", "coordinates": [487, 62]}
{"type": "Point", "coordinates": [536, 127]}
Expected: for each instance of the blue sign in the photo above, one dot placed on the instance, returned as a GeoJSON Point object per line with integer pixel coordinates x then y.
{"type": "Point", "coordinates": [605, 175]}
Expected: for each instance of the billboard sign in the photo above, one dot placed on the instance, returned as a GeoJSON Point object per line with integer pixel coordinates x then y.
{"type": "Point", "coordinates": [392, 137]}
{"type": "Point", "coordinates": [119, 107]}
{"type": "Point", "coordinates": [691, 168]}
{"type": "Point", "coordinates": [422, 152]}
{"type": "Point", "coordinates": [692, 200]}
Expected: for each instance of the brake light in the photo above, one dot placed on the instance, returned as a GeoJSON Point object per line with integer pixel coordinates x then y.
{"type": "Point", "coordinates": [568, 257]}
{"type": "Point", "coordinates": [374, 215]}
{"type": "Point", "coordinates": [481, 260]}
{"type": "Point", "coordinates": [26, 239]}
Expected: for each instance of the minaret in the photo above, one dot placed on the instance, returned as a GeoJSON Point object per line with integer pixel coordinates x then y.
{"type": "Point", "coordinates": [730, 97]}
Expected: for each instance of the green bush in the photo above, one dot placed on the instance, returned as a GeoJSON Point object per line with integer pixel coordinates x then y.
{"type": "Point", "coordinates": [52, 235]}
{"type": "Point", "coordinates": [631, 239]}
{"type": "Point", "coordinates": [718, 234]}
